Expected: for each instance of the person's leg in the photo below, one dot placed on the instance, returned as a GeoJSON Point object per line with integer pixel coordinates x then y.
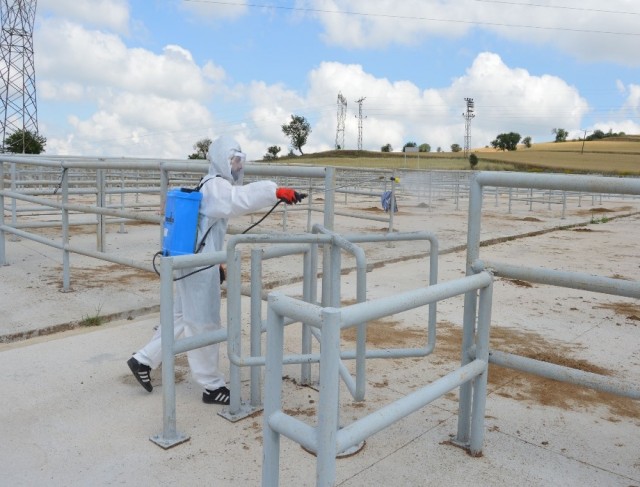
{"type": "Point", "coordinates": [150, 356]}
{"type": "Point", "coordinates": [204, 366]}
{"type": "Point", "coordinates": [201, 307]}
{"type": "Point", "coordinates": [151, 353]}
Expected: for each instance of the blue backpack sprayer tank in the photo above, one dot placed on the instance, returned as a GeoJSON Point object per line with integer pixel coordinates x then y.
{"type": "Point", "coordinates": [180, 226]}
{"type": "Point", "coordinates": [181, 222]}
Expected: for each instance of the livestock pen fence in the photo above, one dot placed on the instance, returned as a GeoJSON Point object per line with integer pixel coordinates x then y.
{"type": "Point", "coordinates": [322, 318]}
{"type": "Point", "coordinates": [327, 439]}
{"type": "Point", "coordinates": [64, 192]}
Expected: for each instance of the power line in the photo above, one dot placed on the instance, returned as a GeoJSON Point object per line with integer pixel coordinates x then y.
{"type": "Point", "coordinates": [560, 7]}
{"type": "Point", "coordinates": [431, 19]}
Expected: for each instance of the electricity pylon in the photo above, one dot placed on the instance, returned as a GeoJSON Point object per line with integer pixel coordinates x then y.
{"type": "Point", "coordinates": [17, 69]}
{"type": "Point", "coordinates": [342, 115]}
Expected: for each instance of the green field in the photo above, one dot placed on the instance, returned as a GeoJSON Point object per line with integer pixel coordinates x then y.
{"type": "Point", "coordinates": [612, 156]}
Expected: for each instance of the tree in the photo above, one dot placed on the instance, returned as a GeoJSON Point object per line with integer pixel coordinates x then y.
{"type": "Point", "coordinates": [473, 160]}
{"type": "Point", "coordinates": [409, 144]}
{"type": "Point", "coordinates": [597, 134]}
{"type": "Point", "coordinates": [298, 131]}
{"type": "Point", "coordinates": [527, 142]}
{"type": "Point", "coordinates": [506, 141]}
{"type": "Point", "coordinates": [272, 153]}
{"type": "Point", "coordinates": [386, 148]}
{"type": "Point", "coordinates": [424, 148]}
{"type": "Point", "coordinates": [455, 148]}
{"type": "Point", "coordinates": [25, 142]}
{"type": "Point", "coordinates": [201, 147]}
{"type": "Point", "coordinates": [561, 135]}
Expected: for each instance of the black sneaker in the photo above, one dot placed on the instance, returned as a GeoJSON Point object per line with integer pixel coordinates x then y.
{"type": "Point", "coordinates": [220, 396]}
{"type": "Point", "coordinates": [141, 372]}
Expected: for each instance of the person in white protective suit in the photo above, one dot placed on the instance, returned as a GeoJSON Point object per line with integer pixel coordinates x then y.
{"type": "Point", "coordinates": [197, 297]}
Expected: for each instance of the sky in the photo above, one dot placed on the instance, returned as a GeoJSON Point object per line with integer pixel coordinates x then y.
{"type": "Point", "coordinates": [150, 78]}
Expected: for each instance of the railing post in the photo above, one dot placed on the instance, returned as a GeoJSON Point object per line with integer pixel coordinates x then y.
{"type": "Point", "coordinates": [14, 203]}
{"type": "Point", "coordinates": [480, 382]}
{"type": "Point", "coordinates": [310, 291]}
{"type": "Point", "coordinates": [256, 325]}
{"type": "Point", "coordinates": [273, 396]}
{"type": "Point", "coordinates": [100, 203]}
{"type": "Point", "coordinates": [2, 233]}
{"type": "Point", "coordinates": [470, 305]}
{"type": "Point", "coordinates": [329, 398]}
{"type": "Point", "coordinates": [169, 436]}
{"type": "Point", "coordinates": [122, 199]}
{"type": "Point", "coordinates": [164, 186]}
{"type": "Point", "coordinates": [392, 206]}
{"type": "Point", "coordinates": [66, 254]}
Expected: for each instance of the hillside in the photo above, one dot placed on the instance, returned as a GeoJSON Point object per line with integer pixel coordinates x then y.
{"type": "Point", "coordinates": [614, 155]}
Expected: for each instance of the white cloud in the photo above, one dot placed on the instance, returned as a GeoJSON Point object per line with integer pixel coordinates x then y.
{"type": "Point", "coordinates": [507, 100]}
{"type": "Point", "coordinates": [130, 122]}
{"type": "Point", "coordinates": [98, 58]}
{"type": "Point", "coordinates": [62, 91]}
{"type": "Point", "coordinates": [625, 119]}
{"type": "Point", "coordinates": [365, 24]}
{"type": "Point", "coordinates": [231, 9]}
{"type": "Point", "coordinates": [591, 31]}
{"type": "Point", "coordinates": [143, 103]}
{"type": "Point", "coordinates": [136, 102]}
{"type": "Point", "coordinates": [632, 102]}
{"type": "Point", "coordinates": [512, 100]}
{"type": "Point", "coordinates": [111, 14]}
{"type": "Point", "coordinates": [133, 124]}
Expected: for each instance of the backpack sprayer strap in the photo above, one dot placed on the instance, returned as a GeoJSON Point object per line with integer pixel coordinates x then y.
{"type": "Point", "coordinates": [201, 244]}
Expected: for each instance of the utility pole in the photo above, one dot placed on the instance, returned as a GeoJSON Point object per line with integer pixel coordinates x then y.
{"type": "Point", "coordinates": [583, 141]}
{"type": "Point", "coordinates": [468, 116]}
{"type": "Point", "coordinates": [17, 70]}
{"type": "Point", "coordinates": [342, 115]}
{"type": "Point", "coordinates": [359, 117]}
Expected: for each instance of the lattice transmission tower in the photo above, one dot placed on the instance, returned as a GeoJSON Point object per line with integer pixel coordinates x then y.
{"type": "Point", "coordinates": [359, 117]}
{"type": "Point", "coordinates": [17, 69]}
{"type": "Point", "coordinates": [468, 116]}
{"type": "Point", "coordinates": [342, 116]}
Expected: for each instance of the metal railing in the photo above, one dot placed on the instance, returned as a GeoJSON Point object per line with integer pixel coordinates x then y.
{"type": "Point", "coordinates": [327, 440]}
{"type": "Point", "coordinates": [66, 192]}
{"type": "Point", "coordinates": [573, 280]}
{"type": "Point", "coordinates": [325, 319]}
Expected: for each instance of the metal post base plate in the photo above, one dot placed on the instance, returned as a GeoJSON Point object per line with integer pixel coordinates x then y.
{"type": "Point", "coordinates": [245, 411]}
{"type": "Point", "coordinates": [167, 443]}
{"type": "Point", "coordinates": [349, 452]}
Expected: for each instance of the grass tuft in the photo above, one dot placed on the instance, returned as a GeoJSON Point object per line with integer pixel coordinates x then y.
{"type": "Point", "coordinates": [93, 320]}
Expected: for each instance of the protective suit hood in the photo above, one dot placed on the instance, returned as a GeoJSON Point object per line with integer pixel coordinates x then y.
{"type": "Point", "coordinates": [220, 154]}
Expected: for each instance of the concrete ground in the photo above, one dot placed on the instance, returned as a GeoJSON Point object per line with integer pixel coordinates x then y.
{"type": "Point", "coordinates": [72, 414]}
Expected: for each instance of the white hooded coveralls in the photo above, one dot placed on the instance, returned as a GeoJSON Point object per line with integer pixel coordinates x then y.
{"type": "Point", "coordinates": [197, 297]}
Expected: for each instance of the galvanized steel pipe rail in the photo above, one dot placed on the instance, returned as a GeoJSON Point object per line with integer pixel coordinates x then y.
{"type": "Point", "coordinates": [600, 284]}
{"type": "Point", "coordinates": [327, 439]}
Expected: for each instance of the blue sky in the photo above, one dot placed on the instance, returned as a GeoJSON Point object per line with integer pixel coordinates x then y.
{"type": "Point", "coordinates": [149, 78]}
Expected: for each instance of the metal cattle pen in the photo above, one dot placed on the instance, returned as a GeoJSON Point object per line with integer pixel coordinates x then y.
{"type": "Point", "coordinates": [51, 185]}
{"type": "Point", "coordinates": [323, 320]}
{"type": "Point", "coordinates": [328, 439]}
{"type": "Point", "coordinates": [573, 280]}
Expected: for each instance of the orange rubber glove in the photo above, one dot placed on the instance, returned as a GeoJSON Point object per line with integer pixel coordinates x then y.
{"type": "Point", "coordinates": [289, 196]}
